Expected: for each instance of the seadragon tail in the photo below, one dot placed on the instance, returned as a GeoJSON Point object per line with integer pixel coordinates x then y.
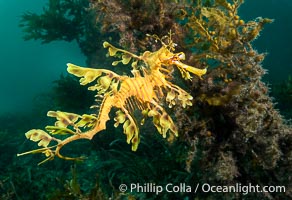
{"type": "Point", "coordinates": [100, 124]}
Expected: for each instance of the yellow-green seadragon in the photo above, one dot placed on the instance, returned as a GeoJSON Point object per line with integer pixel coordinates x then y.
{"type": "Point", "coordinates": [143, 91]}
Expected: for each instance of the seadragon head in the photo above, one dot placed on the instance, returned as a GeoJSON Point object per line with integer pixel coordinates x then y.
{"type": "Point", "coordinates": [165, 58]}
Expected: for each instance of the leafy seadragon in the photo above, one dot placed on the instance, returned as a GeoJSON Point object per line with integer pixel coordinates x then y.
{"type": "Point", "coordinates": [150, 82]}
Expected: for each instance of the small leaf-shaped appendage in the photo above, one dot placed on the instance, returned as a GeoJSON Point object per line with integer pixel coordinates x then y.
{"type": "Point", "coordinates": [39, 135]}
{"type": "Point", "coordinates": [165, 123]}
{"type": "Point", "coordinates": [126, 59]}
{"type": "Point", "coordinates": [63, 118]}
{"type": "Point", "coordinates": [186, 99]}
{"type": "Point", "coordinates": [56, 130]}
{"type": "Point", "coordinates": [152, 113]}
{"type": "Point", "coordinates": [132, 132]}
{"type": "Point", "coordinates": [104, 83]}
{"type": "Point", "coordinates": [126, 55]}
{"type": "Point", "coordinates": [115, 63]}
{"type": "Point", "coordinates": [86, 121]}
{"type": "Point", "coordinates": [134, 64]}
{"type": "Point", "coordinates": [120, 118]}
{"type": "Point", "coordinates": [49, 154]}
{"type": "Point", "coordinates": [145, 115]}
{"type": "Point", "coordinates": [156, 116]}
{"type": "Point", "coordinates": [135, 142]}
{"type": "Point", "coordinates": [170, 98]}
{"type": "Point", "coordinates": [88, 74]}
{"type": "Point", "coordinates": [185, 75]}
{"type": "Point", "coordinates": [111, 49]}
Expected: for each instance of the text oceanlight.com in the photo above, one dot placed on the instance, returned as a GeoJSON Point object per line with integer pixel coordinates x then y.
{"type": "Point", "coordinates": [205, 188]}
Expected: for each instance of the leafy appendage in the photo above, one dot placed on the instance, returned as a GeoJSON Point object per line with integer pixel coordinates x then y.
{"type": "Point", "coordinates": [39, 135]}
{"type": "Point", "coordinates": [163, 123]}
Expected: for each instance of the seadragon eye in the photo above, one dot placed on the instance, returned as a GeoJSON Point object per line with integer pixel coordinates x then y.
{"type": "Point", "coordinates": [181, 56]}
{"type": "Point", "coordinates": [178, 56]}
